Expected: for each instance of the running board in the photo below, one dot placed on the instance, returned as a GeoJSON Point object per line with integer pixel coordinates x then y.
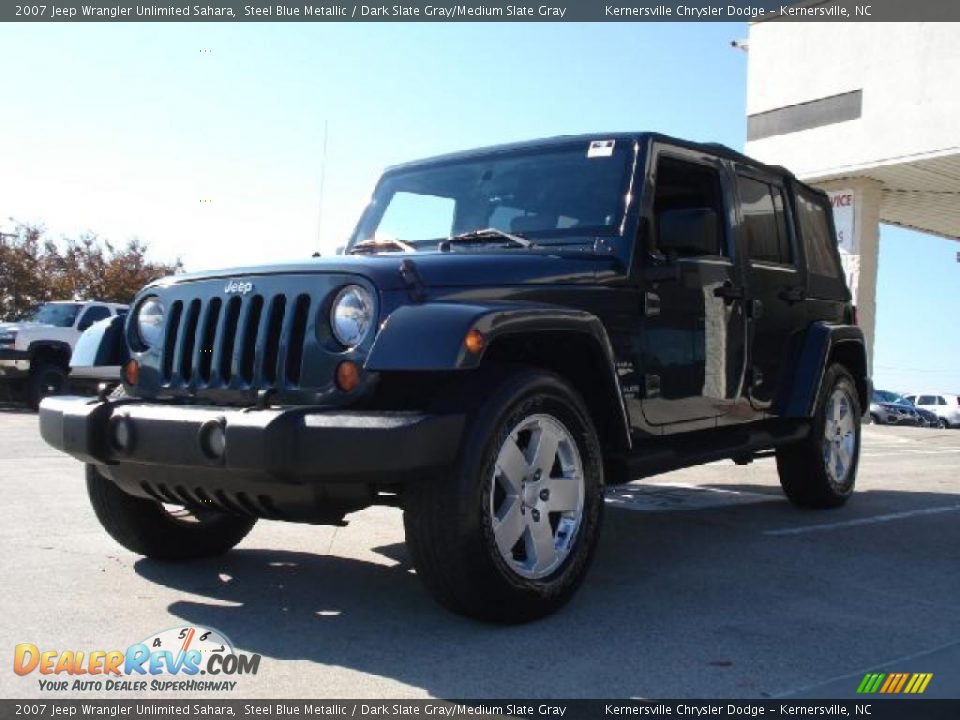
{"type": "Point", "coordinates": [665, 454]}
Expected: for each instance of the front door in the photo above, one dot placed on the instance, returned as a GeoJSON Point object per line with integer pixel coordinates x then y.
{"type": "Point", "coordinates": [692, 343]}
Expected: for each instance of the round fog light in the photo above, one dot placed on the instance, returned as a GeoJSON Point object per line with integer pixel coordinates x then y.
{"type": "Point", "coordinates": [213, 439]}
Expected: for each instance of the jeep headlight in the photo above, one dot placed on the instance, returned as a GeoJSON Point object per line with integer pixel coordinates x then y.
{"type": "Point", "coordinates": [150, 319]}
{"type": "Point", "coordinates": [351, 315]}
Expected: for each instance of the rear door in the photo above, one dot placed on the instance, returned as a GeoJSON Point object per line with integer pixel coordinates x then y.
{"type": "Point", "coordinates": [775, 284]}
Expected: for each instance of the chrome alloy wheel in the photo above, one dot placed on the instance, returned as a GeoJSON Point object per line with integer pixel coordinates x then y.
{"type": "Point", "coordinates": [537, 496]}
{"type": "Point", "coordinates": [840, 437]}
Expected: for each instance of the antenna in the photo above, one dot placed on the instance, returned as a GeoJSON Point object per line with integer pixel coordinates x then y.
{"type": "Point", "coordinates": [323, 177]}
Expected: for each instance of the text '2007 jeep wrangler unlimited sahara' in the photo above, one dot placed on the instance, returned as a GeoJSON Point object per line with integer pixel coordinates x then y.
{"type": "Point", "coordinates": [510, 330]}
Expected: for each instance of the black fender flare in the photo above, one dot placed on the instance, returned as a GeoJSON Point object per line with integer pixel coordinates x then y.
{"type": "Point", "coordinates": [101, 344]}
{"type": "Point", "coordinates": [823, 341]}
{"type": "Point", "coordinates": [431, 337]}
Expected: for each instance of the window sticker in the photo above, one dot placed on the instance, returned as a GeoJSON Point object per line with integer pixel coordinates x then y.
{"type": "Point", "coordinates": [600, 148]}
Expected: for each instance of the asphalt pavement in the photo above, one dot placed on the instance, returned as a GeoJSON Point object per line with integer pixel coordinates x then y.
{"type": "Point", "coordinates": [707, 584]}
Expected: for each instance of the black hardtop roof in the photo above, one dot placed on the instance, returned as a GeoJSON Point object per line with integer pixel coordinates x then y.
{"type": "Point", "coordinates": [562, 140]}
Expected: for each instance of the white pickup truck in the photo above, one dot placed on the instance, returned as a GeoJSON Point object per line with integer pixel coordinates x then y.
{"type": "Point", "coordinates": [35, 353]}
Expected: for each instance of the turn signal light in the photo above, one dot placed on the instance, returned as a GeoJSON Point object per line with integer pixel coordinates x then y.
{"type": "Point", "coordinates": [348, 375]}
{"type": "Point", "coordinates": [474, 341]}
{"type": "Point", "coordinates": [131, 372]}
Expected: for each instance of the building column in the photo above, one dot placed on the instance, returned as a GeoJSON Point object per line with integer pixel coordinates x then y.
{"type": "Point", "coordinates": [860, 253]}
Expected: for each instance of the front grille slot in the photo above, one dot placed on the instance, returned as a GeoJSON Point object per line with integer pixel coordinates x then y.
{"type": "Point", "coordinates": [170, 341]}
{"type": "Point", "coordinates": [271, 345]}
{"type": "Point", "coordinates": [225, 346]}
{"type": "Point", "coordinates": [205, 348]}
{"type": "Point", "coordinates": [248, 342]}
{"type": "Point", "coordinates": [187, 340]}
{"type": "Point", "coordinates": [297, 333]}
{"type": "Point", "coordinates": [252, 341]}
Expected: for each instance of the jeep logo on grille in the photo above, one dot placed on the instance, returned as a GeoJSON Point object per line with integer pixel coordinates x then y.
{"type": "Point", "coordinates": [237, 287]}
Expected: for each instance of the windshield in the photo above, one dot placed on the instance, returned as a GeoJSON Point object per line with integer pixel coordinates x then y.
{"type": "Point", "coordinates": [889, 397]}
{"type": "Point", "coordinates": [546, 196]}
{"type": "Point", "coordinates": [58, 314]}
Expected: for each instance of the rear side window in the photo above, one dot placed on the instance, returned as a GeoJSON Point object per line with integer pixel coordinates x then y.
{"type": "Point", "coordinates": [764, 220]}
{"type": "Point", "coordinates": [926, 400]}
{"type": "Point", "coordinates": [818, 241]}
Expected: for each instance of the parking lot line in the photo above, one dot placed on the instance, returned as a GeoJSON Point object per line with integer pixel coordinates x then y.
{"type": "Point", "coordinates": [863, 521]}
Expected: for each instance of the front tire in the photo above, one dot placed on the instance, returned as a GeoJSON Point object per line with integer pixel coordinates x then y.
{"type": "Point", "coordinates": [46, 379]}
{"type": "Point", "coordinates": [821, 470]}
{"type": "Point", "coordinates": [148, 528]}
{"type": "Point", "coordinates": [509, 536]}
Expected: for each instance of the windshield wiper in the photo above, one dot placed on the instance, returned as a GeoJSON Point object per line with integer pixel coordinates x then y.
{"type": "Point", "coordinates": [485, 235]}
{"type": "Point", "coordinates": [374, 246]}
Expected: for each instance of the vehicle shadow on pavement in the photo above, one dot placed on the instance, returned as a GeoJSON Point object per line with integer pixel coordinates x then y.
{"type": "Point", "coordinates": [678, 604]}
{"type": "Point", "coordinates": [16, 409]}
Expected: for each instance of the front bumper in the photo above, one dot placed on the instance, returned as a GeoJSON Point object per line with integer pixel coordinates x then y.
{"type": "Point", "coordinates": [14, 363]}
{"type": "Point", "coordinates": [288, 462]}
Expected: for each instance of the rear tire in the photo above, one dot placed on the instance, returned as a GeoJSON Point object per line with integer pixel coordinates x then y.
{"type": "Point", "coordinates": [942, 423]}
{"type": "Point", "coordinates": [147, 528]}
{"type": "Point", "coordinates": [509, 535]}
{"type": "Point", "coordinates": [45, 379]}
{"type": "Point", "coordinates": [821, 470]}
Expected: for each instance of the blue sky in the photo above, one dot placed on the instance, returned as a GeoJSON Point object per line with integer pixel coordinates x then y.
{"type": "Point", "coordinates": [206, 140]}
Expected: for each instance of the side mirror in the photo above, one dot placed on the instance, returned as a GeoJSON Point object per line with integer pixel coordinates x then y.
{"type": "Point", "coordinates": [688, 231]}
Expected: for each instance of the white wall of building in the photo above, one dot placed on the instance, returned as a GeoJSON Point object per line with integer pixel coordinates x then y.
{"type": "Point", "coordinates": [909, 74]}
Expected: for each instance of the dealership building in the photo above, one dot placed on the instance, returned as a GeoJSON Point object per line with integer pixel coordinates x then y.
{"type": "Point", "coordinates": [870, 112]}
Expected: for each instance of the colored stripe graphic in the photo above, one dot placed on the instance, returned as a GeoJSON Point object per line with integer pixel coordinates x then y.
{"type": "Point", "coordinates": [894, 683]}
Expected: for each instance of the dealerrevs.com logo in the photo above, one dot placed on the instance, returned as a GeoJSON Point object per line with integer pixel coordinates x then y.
{"type": "Point", "coordinates": [179, 659]}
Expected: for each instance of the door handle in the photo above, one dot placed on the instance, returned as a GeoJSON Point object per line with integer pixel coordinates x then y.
{"type": "Point", "coordinates": [729, 292]}
{"type": "Point", "coordinates": [793, 294]}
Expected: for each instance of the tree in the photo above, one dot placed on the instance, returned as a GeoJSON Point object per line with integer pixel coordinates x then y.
{"type": "Point", "coordinates": [35, 269]}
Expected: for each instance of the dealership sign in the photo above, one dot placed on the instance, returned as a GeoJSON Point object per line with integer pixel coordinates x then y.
{"type": "Point", "coordinates": [843, 203]}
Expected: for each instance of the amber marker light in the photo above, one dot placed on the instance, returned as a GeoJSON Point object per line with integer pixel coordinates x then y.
{"type": "Point", "coordinates": [474, 341]}
{"type": "Point", "coordinates": [348, 375]}
{"type": "Point", "coordinates": [131, 372]}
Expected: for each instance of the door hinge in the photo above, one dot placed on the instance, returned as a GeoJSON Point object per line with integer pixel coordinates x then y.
{"type": "Point", "coordinates": [651, 386]}
{"type": "Point", "coordinates": [651, 304]}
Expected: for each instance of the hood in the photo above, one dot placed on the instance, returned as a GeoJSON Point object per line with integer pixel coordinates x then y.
{"type": "Point", "coordinates": [19, 327]}
{"type": "Point", "coordinates": [459, 268]}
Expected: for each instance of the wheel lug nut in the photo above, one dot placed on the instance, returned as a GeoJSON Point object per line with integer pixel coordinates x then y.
{"type": "Point", "coordinates": [545, 494]}
{"type": "Point", "coordinates": [536, 515]}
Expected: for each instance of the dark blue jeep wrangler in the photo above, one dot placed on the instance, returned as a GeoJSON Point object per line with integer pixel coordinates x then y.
{"type": "Point", "coordinates": [508, 331]}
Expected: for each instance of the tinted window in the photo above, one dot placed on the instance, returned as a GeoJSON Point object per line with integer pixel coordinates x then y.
{"type": "Point", "coordinates": [764, 221]}
{"type": "Point", "coordinates": [92, 315]}
{"type": "Point", "coordinates": [818, 241]}
{"type": "Point", "coordinates": [941, 401]}
{"type": "Point", "coordinates": [690, 186]}
{"type": "Point", "coordinates": [926, 400]}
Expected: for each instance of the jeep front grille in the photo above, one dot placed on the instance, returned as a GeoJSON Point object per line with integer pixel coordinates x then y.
{"type": "Point", "coordinates": [253, 341]}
